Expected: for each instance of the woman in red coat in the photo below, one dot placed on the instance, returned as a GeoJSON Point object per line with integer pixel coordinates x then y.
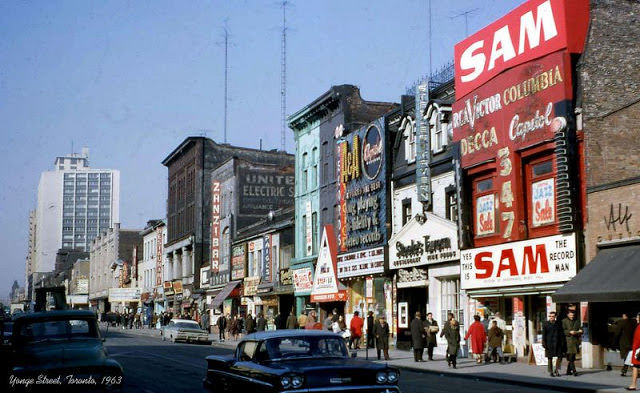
{"type": "Point", "coordinates": [478, 338]}
{"type": "Point", "coordinates": [636, 363]}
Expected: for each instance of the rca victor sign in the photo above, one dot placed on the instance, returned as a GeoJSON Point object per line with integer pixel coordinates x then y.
{"type": "Point", "coordinates": [531, 262]}
{"type": "Point", "coordinates": [535, 29]}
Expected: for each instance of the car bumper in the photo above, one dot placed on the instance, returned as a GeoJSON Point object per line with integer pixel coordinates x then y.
{"type": "Point", "coordinates": [207, 384]}
{"type": "Point", "coordinates": [188, 338]}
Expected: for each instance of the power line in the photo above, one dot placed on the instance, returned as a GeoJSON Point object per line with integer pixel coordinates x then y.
{"type": "Point", "coordinates": [466, 19]}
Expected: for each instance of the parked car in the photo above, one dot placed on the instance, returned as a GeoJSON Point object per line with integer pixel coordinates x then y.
{"type": "Point", "coordinates": [184, 330]}
{"type": "Point", "coordinates": [296, 361]}
{"type": "Point", "coordinates": [62, 348]}
{"type": "Point", "coordinates": [7, 331]}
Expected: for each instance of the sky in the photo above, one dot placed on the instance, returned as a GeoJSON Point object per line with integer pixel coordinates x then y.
{"type": "Point", "coordinates": [131, 80]}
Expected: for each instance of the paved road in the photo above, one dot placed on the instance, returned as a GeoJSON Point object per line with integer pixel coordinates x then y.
{"type": "Point", "coordinates": [155, 366]}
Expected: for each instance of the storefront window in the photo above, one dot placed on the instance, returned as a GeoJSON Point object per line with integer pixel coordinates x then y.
{"type": "Point", "coordinates": [450, 300]}
{"type": "Point", "coordinates": [484, 206]}
{"type": "Point", "coordinates": [541, 190]}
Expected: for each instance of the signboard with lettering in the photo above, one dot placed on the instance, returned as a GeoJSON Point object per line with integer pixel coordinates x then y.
{"type": "Point", "coordinates": [363, 175]}
{"type": "Point", "coordinates": [303, 280]}
{"type": "Point", "coordinates": [535, 29]}
{"type": "Point", "coordinates": [124, 294]}
{"type": "Point", "coordinates": [265, 189]}
{"type": "Point", "coordinates": [238, 261]}
{"type": "Point", "coordinates": [159, 254]}
{"type": "Point", "coordinates": [416, 244]}
{"type": "Point", "coordinates": [168, 288]}
{"type": "Point", "coordinates": [361, 263]}
{"type": "Point", "coordinates": [251, 285]}
{"type": "Point", "coordinates": [308, 229]}
{"type": "Point", "coordinates": [286, 277]}
{"type": "Point", "coordinates": [215, 226]}
{"type": "Point", "coordinates": [543, 260]}
{"type": "Point", "coordinates": [543, 202]}
{"type": "Point", "coordinates": [266, 258]}
{"type": "Point", "coordinates": [485, 215]}
{"type": "Point", "coordinates": [325, 282]}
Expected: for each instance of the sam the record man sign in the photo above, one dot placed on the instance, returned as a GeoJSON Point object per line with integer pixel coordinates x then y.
{"type": "Point", "coordinates": [544, 260]}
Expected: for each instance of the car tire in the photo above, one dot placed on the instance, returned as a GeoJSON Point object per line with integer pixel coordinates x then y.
{"type": "Point", "coordinates": [163, 337]}
{"type": "Point", "coordinates": [173, 340]}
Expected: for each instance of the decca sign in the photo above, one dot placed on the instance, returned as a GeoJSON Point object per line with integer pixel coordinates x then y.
{"type": "Point", "coordinates": [534, 29]}
{"type": "Point", "coordinates": [531, 262]}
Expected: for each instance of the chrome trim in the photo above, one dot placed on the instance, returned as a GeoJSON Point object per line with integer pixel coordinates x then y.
{"type": "Point", "coordinates": [242, 377]}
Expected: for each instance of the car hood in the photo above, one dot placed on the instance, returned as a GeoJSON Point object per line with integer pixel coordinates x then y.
{"type": "Point", "coordinates": [59, 353]}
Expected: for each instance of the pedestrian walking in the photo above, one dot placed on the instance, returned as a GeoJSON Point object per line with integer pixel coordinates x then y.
{"type": "Point", "coordinates": [292, 321]}
{"type": "Point", "coordinates": [371, 339]}
{"type": "Point", "coordinates": [234, 327]}
{"type": "Point", "coordinates": [221, 323]}
{"type": "Point", "coordinates": [451, 332]}
{"type": "Point", "coordinates": [311, 321]}
{"type": "Point", "coordinates": [417, 337]}
{"type": "Point", "coordinates": [635, 356]}
{"type": "Point", "coordinates": [572, 332]}
{"type": "Point", "coordinates": [302, 319]}
{"type": "Point", "coordinates": [381, 334]}
{"type": "Point", "coordinates": [431, 329]}
{"type": "Point", "coordinates": [249, 324]}
{"type": "Point", "coordinates": [279, 322]}
{"type": "Point", "coordinates": [624, 330]}
{"type": "Point", "coordinates": [478, 338]}
{"type": "Point", "coordinates": [261, 323]}
{"type": "Point", "coordinates": [204, 321]}
{"type": "Point", "coordinates": [495, 337]}
{"type": "Point", "coordinates": [554, 344]}
{"type": "Point", "coordinates": [356, 329]}
{"type": "Point", "coordinates": [328, 322]}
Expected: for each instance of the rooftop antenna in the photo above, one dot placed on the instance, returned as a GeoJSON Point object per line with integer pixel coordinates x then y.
{"type": "Point", "coordinates": [466, 19]}
{"type": "Point", "coordinates": [226, 72]}
{"type": "Point", "coordinates": [283, 78]}
{"type": "Point", "coordinates": [429, 37]}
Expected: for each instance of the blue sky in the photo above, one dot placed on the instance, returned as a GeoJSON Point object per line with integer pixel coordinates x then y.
{"type": "Point", "coordinates": [131, 79]}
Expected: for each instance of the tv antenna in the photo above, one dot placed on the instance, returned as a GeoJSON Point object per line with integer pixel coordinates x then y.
{"type": "Point", "coordinates": [226, 73]}
{"type": "Point", "coordinates": [466, 19]}
{"type": "Point", "coordinates": [283, 78]}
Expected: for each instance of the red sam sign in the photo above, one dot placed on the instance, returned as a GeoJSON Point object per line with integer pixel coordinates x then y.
{"type": "Point", "coordinates": [536, 28]}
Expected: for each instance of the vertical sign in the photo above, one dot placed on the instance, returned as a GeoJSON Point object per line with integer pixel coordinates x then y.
{"type": "Point", "coordinates": [159, 254]}
{"type": "Point", "coordinates": [134, 266]}
{"type": "Point", "coordinates": [423, 147]}
{"type": "Point", "coordinates": [485, 214]}
{"type": "Point", "coordinates": [309, 233]}
{"type": "Point", "coordinates": [215, 226]}
{"type": "Point", "coordinates": [266, 258]}
{"type": "Point", "coordinates": [341, 220]}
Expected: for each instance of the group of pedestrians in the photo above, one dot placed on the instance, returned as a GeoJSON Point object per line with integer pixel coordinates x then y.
{"type": "Point", "coordinates": [561, 339]}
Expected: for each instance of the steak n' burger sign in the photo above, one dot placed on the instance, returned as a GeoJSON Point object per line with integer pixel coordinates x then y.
{"type": "Point", "coordinates": [536, 28]}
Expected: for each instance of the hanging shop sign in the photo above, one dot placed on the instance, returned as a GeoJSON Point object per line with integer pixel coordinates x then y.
{"type": "Point", "coordinates": [303, 280]}
{"type": "Point", "coordinates": [543, 260]}
{"type": "Point", "coordinates": [177, 287]}
{"type": "Point", "coordinates": [435, 240]}
{"type": "Point", "coordinates": [363, 188]}
{"type": "Point", "coordinates": [238, 261]}
{"type": "Point", "coordinates": [168, 288]}
{"type": "Point", "coordinates": [266, 258]}
{"type": "Point", "coordinates": [308, 229]}
{"type": "Point", "coordinates": [361, 263]}
{"type": "Point", "coordinates": [215, 226]}
{"type": "Point", "coordinates": [265, 189]}
{"type": "Point", "coordinates": [535, 29]}
{"type": "Point", "coordinates": [325, 282]}
{"type": "Point", "coordinates": [286, 277]}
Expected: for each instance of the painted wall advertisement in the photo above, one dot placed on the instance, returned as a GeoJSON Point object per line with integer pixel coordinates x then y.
{"type": "Point", "coordinates": [543, 260]}
{"type": "Point", "coordinates": [265, 189]}
{"type": "Point", "coordinates": [215, 226]}
{"type": "Point", "coordinates": [363, 174]}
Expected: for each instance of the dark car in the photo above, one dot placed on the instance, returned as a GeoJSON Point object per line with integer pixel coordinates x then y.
{"type": "Point", "coordinates": [56, 348]}
{"type": "Point", "coordinates": [296, 361]}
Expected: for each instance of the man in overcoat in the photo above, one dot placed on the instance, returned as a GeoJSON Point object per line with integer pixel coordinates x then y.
{"type": "Point", "coordinates": [624, 335]}
{"type": "Point", "coordinates": [381, 333]}
{"type": "Point", "coordinates": [417, 337]}
{"type": "Point", "coordinates": [553, 343]}
{"type": "Point", "coordinates": [572, 332]}
{"type": "Point", "coordinates": [431, 328]}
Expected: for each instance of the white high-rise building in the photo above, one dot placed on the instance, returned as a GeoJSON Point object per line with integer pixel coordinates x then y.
{"type": "Point", "coordinates": [75, 204]}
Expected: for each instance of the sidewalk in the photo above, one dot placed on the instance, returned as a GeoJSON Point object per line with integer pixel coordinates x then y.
{"type": "Point", "coordinates": [519, 373]}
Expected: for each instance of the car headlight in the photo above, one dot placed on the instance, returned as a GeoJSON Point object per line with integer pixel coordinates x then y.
{"type": "Point", "coordinates": [381, 377]}
{"type": "Point", "coordinates": [286, 382]}
{"type": "Point", "coordinates": [392, 376]}
{"type": "Point", "coordinates": [297, 381]}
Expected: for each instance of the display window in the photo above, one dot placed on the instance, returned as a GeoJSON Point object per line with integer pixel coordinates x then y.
{"type": "Point", "coordinates": [541, 196]}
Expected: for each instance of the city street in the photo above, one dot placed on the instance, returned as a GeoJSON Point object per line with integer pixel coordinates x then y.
{"type": "Point", "coordinates": [153, 365]}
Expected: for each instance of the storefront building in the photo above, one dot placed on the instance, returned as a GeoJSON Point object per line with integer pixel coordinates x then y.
{"type": "Point", "coordinates": [514, 118]}
{"type": "Point", "coordinates": [340, 109]}
{"type": "Point", "coordinates": [609, 110]}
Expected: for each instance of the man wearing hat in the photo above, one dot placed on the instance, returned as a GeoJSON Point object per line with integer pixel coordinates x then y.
{"type": "Point", "coordinates": [381, 333]}
{"type": "Point", "coordinates": [371, 338]}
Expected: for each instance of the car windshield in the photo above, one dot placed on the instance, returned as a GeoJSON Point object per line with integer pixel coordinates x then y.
{"type": "Point", "coordinates": [64, 329]}
{"type": "Point", "coordinates": [187, 325]}
{"type": "Point", "coordinates": [303, 347]}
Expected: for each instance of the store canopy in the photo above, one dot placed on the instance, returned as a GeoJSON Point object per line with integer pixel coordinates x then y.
{"type": "Point", "coordinates": [224, 293]}
{"type": "Point", "coordinates": [612, 276]}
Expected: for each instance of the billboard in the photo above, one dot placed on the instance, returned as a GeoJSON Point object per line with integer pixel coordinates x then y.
{"type": "Point", "coordinates": [238, 261]}
{"type": "Point", "coordinates": [534, 29]}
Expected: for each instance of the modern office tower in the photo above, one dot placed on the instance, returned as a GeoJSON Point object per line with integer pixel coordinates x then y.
{"type": "Point", "coordinates": [75, 204]}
